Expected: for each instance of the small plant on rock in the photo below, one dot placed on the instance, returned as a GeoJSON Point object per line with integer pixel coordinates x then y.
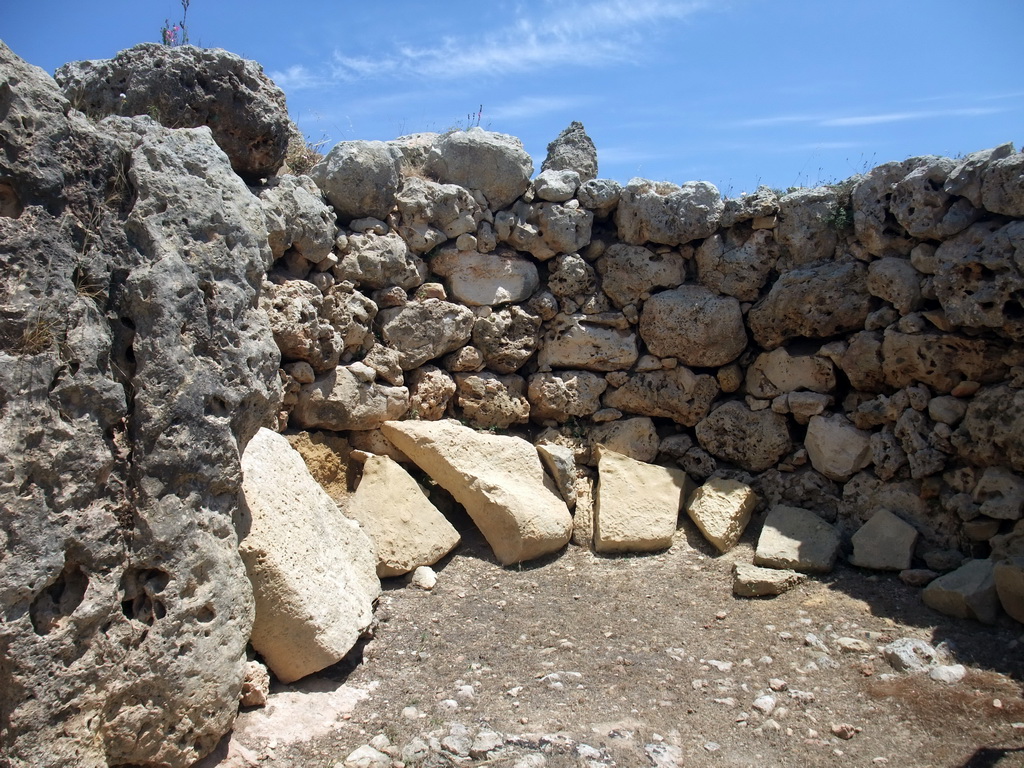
{"type": "Point", "coordinates": [177, 34]}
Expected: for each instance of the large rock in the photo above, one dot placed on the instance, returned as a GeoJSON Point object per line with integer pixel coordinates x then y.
{"type": "Point", "coordinates": [298, 219]}
{"type": "Point", "coordinates": [486, 279]}
{"type": "Point", "coordinates": [885, 542]}
{"type": "Point", "coordinates": [577, 341]}
{"type": "Point", "coordinates": [635, 438]}
{"type": "Point", "coordinates": [1001, 185]}
{"type": "Point", "coordinates": [406, 528]}
{"type": "Point", "coordinates": [924, 208]}
{"type": "Point", "coordinates": [813, 302]}
{"type": "Point", "coordinates": [380, 261]}
{"type": "Point", "coordinates": [360, 178]}
{"type": "Point", "coordinates": [940, 360]}
{"type": "Point", "coordinates": [298, 550]}
{"type": "Point", "coordinates": [631, 273]}
{"type": "Point", "coordinates": [493, 163]}
{"type": "Point", "coordinates": [424, 330]}
{"type": "Point", "coordinates": [545, 229]}
{"type": "Point", "coordinates": [507, 338]}
{"type": "Point", "coordinates": [721, 509]}
{"type": "Point", "coordinates": [754, 440]}
{"type": "Point", "coordinates": [797, 539]}
{"type": "Point", "coordinates": [562, 395]}
{"type": "Point", "coordinates": [729, 263]}
{"type": "Point", "coordinates": [806, 231]}
{"type": "Point", "coordinates": [572, 150]}
{"type": "Point", "coordinates": [752, 581]}
{"type": "Point", "coordinates": [487, 400]}
{"type": "Point", "coordinates": [991, 429]}
{"type": "Point", "coordinates": [188, 87]}
{"type": "Point", "coordinates": [1009, 579]}
{"type": "Point", "coordinates": [677, 394]}
{"type": "Point", "coordinates": [430, 391]}
{"type": "Point", "coordinates": [432, 213]}
{"type": "Point", "coordinates": [694, 325]}
{"type": "Point", "coordinates": [295, 311]}
{"type": "Point", "coordinates": [896, 281]}
{"type": "Point", "coordinates": [969, 592]}
{"type": "Point", "coordinates": [637, 505]}
{"type": "Point", "coordinates": [778, 372]}
{"type": "Point", "coordinates": [345, 399]}
{"type": "Point", "coordinates": [661, 212]}
{"type": "Point", "coordinates": [874, 224]}
{"type": "Point", "coordinates": [129, 393]}
{"type": "Point", "coordinates": [836, 448]}
{"type": "Point", "coordinates": [498, 479]}
{"type": "Point", "coordinates": [966, 178]}
{"type": "Point", "coordinates": [1000, 494]}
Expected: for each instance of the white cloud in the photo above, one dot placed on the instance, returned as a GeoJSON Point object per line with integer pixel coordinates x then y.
{"type": "Point", "coordinates": [880, 118]}
{"type": "Point", "coordinates": [529, 107]}
{"type": "Point", "coordinates": [297, 77]}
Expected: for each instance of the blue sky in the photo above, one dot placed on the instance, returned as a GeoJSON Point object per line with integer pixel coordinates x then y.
{"type": "Point", "coordinates": [736, 92]}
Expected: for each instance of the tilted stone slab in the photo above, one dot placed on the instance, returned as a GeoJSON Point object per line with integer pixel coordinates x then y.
{"type": "Point", "coordinates": [313, 571]}
{"type": "Point", "coordinates": [721, 509]}
{"type": "Point", "coordinates": [498, 479]}
{"type": "Point", "coordinates": [752, 581]}
{"type": "Point", "coordinates": [798, 539]}
{"type": "Point", "coordinates": [969, 592]}
{"type": "Point", "coordinates": [637, 504]}
{"type": "Point", "coordinates": [408, 530]}
{"type": "Point", "coordinates": [885, 542]}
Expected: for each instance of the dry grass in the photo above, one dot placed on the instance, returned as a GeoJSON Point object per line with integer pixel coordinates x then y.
{"type": "Point", "coordinates": [937, 705]}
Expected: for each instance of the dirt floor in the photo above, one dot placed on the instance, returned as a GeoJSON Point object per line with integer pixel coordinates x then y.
{"type": "Point", "coordinates": [583, 660]}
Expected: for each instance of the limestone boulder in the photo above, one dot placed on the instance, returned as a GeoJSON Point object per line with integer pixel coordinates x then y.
{"type": "Point", "coordinates": [797, 539]}
{"type": "Point", "coordinates": [493, 163]}
{"type": "Point", "coordinates": [737, 265]}
{"type": "Point", "coordinates": [1001, 185]}
{"type": "Point", "coordinates": [360, 178]}
{"type": "Point", "coordinates": [347, 398]}
{"type": "Point", "coordinates": [677, 394]}
{"type": "Point", "coordinates": [874, 224]}
{"type": "Point", "coordinates": [507, 338]}
{"type": "Point", "coordinates": [752, 581]}
{"type": "Point", "coordinates": [424, 330]}
{"type": "Point", "coordinates": [836, 448]}
{"type": "Point", "coordinates": [762, 204]}
{"type": "Point", "coordinates": [408, 531]}
{"type": "Point", "coordinates": [351, 314]}
{"type": "Point", "coordinates": [570, 275]}
{"type": "Point", "coordinates": [577, 341]}
{"type": "Point", "coordinates": [430, 391]}
{"type": "Point", "coordinates": [299, 548]}
{"type": "Point", "coordinates": [631, 273]}
{"type": "Point", "coordinates": [965, 180]}
{"type": "Point", "coordinates": [572, 150]}
{"type": "Point", "coordinates": [815, 302]}
{"type": "Point", "coordinates": [545, 229]}
{"type": "Point", "coordinates": [486, 279]}
{"type": "Point", "coordinates": [636, 438]}
{"type": "Point", "coordinates": [806, 232]}
{"type": "Point", "coordinates": [600, 196]}
{"type": "Point", "coordinates": [694, 325]}
{"type": "Point", "coordinates": [754, 440]}
{"type": "Point", "coordinates": [885, 542]}
{"type": "Point", "coordinates": [778, 372]}
{"type": "Point", "coordinates": [1000, 494]}
{"type": "Point", "coordinates": [562, 395]}
{"type": "Point", "coordinates": [295, 311]}
{"type": "Point", "coordinates": [721, 509]}
{"type": "Point", "coordinates": [969, 592]}
{"type": "Point", "coordinates": [923, 207]}
{"type": "Point", "coordinates": [560, 462]}
{"type": "Point", "coordinates": [297, 218]}
{"type": "Point", "coordinates": [665, 213]}
{"type": "Point", "coordinates": [940, 360]}
{"type": "Point", "coordinates": [432, 213]}
{"type": "Point", "coordinates": [380, 261]}
{"type": "Point", "coordinates": [498, 479]}
{"type": "Point", "coordinates": [1009, 580]}
{"type": "Point", "coordinates": [897, 282]}
{"type": "Point", "coordinates": [556, 186]}
{"type": "Point", "coordinates": [487, 400]}
{"type": "Point", "coordinates": [990, 433]}
{"type": "Point", "coordinates": [637, 505]}
{"type": "Point", "coordinates": [189, 87]}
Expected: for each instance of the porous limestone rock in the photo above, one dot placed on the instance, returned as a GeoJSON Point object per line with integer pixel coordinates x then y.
{"type": "Point", "coordinates": [754, 440]}
{"type": "Point", "coordinates": [630, 273]}
{"type": "Point", "coordinates": [896, 281]}
{"type": "Point", "coordinates": [874, 224]}
{"type": "Point", "coordinates": [556, 186]}
{"type": "Point", "coordinates": [635, 438]}
{"type": "Point", "coordinates": [729, 262]}
{"type": "Point", "coordinates": [380, 261]}
{"type": "Point", "coordinates": [721, 508]}
{"type": "Point", "coordinates": [806, 232]}
{"type": "Point", "coordinates": [486, 279]}
{"type": "Point", "coordinates": [694, 325]}
{"type": "Point", "coordinates": [1009, 579]}
{"type": "Point", "coordinates": [301, 332]}
{"type": "Point", "coordinates": [678, 394]}
{"type": "Point", "coordinates": [966, 178]}
{"type": "Point", "coordinates": [562, 395]}
{"type": "Point", "coordinates": [637, 505]}
{"type": "Point", "coordinates": [406, 528]}
{"type": "Point", "coordinates": [1001, 185]}
{"type": "Point", "coordinates": [836, 448]}
{"type": "Point", "coordinates": [752, 581]}
{"type": "Point", "coordinates": [343, 399]}
{"type": "Point", "coordinates": [924, 208]}
{"type": "Point", "coordinates": [297, 218]}
{"type": "Point", "coordinates": [599, 195]}
{"type": "Point", "coordinates": [990, 432]}
{"type": "Point", "coordinates": [797, 539]}
{"type": "Point", "coordinates": [1000, 494]}
{"type": "Point", "coordinates": [487, 400]}
{"type": "Point", "coordinates": [424, 330]}
{"type": "Point", "coordinates": [545, 229]}
{"type": "Point", "coordinates": [777, 372]}
{"type": "Point", "coordinates": [577, 341]}
{"type": "Point", "coordinates": [499, 479]}
{"type": "Point", "coordinates": [885, 542]}
{"type": "Point", "coordinates": [942, 361]}
{"type": "Point", "coordinates": [572, 150]}
{"type": "Point", "coordinates": [432, 213]}
{"type": "Point", "coordinates": [360, 178]}
{"type": "Point", "coordinates": [969, 592]}
{"type": "Point", "coordinates": [814, 302]}
{"type": "Point", "coordinates": [189, 87]}
{"type": "Point", "coordinates": [665, 213]}
{"type": "Point", "coordinates": [570, 275]}
{"type": "Point", "coordinates": [299, 548]}
{"type": "Point", "coordinates": [507, 338]}
{"type": "Point", "coordinates": [493, 163]}
{"type": "Point", "coordinates": [560, 462]}
{"type": "Point", "coordinates": [430, 391]}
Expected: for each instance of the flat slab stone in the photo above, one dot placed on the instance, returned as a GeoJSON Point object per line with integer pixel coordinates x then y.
{"type": "Point", "coordinates": [313, 571]}
{"type": "Point", "coordinates": [885, 542]}
{"type": "Point", "coordinates": [752, 581]}
{"type": "Point", "coordinates": [499, 479]}
{"type": "Point", "coordinates": [969, 592]}
{"type": "Point", "coordinates": [797, 538]}
{"type": "Point", "coordinates": [721, 509]}
{"type": "Point", "coordinates": [637, 504]}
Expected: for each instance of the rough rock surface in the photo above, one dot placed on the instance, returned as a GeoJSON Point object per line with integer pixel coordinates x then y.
{"type": "Point", "coordinates": [297, 218]}
{"type": "Point", "coordinates": [777, 372]}
{"type": "Point", "coordinates": [360, 178]}
{"type": "Point", "coordinates": [836, 448]}
{"type": "Point", "coordinates": [424, 330]}
{"type": "Point", "coordinates": [755, 440]}
{"type": "Point", "coordinates": [380, 261]}
{"type": "Point", "coordinates": [729, 264]}
{"type": "Point", "coordinates": [805, 231]}
{"type": "Point", "coordinates": [631, 273]}
{"type": "Point", "coordinates": [969, 592]}
{"type": "Point", "coordinates": [486, 279]}
{"type": "Point", "coordinates": [348, 398]}
{"type": "Point", "coordinates": [406, 528]}
{"type": "Point", "coordinates": [694, 325]}
{"type": "Point", "coordinates": [493, 163]}
{"type": "Point", "coordinates": [572, 150]}
{"type": "Point", "coordinates": [577, 341]}
{"type": "Point", "coordinates": [637, 505]}
{"type": "Point", "coordinates": [507, 338]}
{"type": "Point", "coordinates": [491, 401]}
{"type": "Point", "coordinates": [561, 395]}
{"type": "Point", "coordinates": [721, 509]}
{"type": "Point", "coordinates": [298, 548]}
{"type": "Point", "coordinates": [797, 539]}
{"type": "Point", "coordinates": [752, 581]}
{"type": "Point", "coordinates": [678, 394]}
{"type": "Point", "coordinates": [884, 542]}
{"type": "Point", "coordinates": [661, 212]}
{"type": "Point", "coordinates": [188, 87]}
{"type": "Point", "coordinates": [498, 479]}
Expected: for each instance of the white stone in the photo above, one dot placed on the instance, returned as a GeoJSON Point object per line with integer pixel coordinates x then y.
{"type": "Point", "coordinates": [969, 592]}
{"type": "Point", "coordinates": [721, 509]}
{"type": "Point", "coordinates": [836, 448]}
{"type": "Point", "coordinates": [798, 539]}
{"type": "Point", "coordinates": [885, 542]}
